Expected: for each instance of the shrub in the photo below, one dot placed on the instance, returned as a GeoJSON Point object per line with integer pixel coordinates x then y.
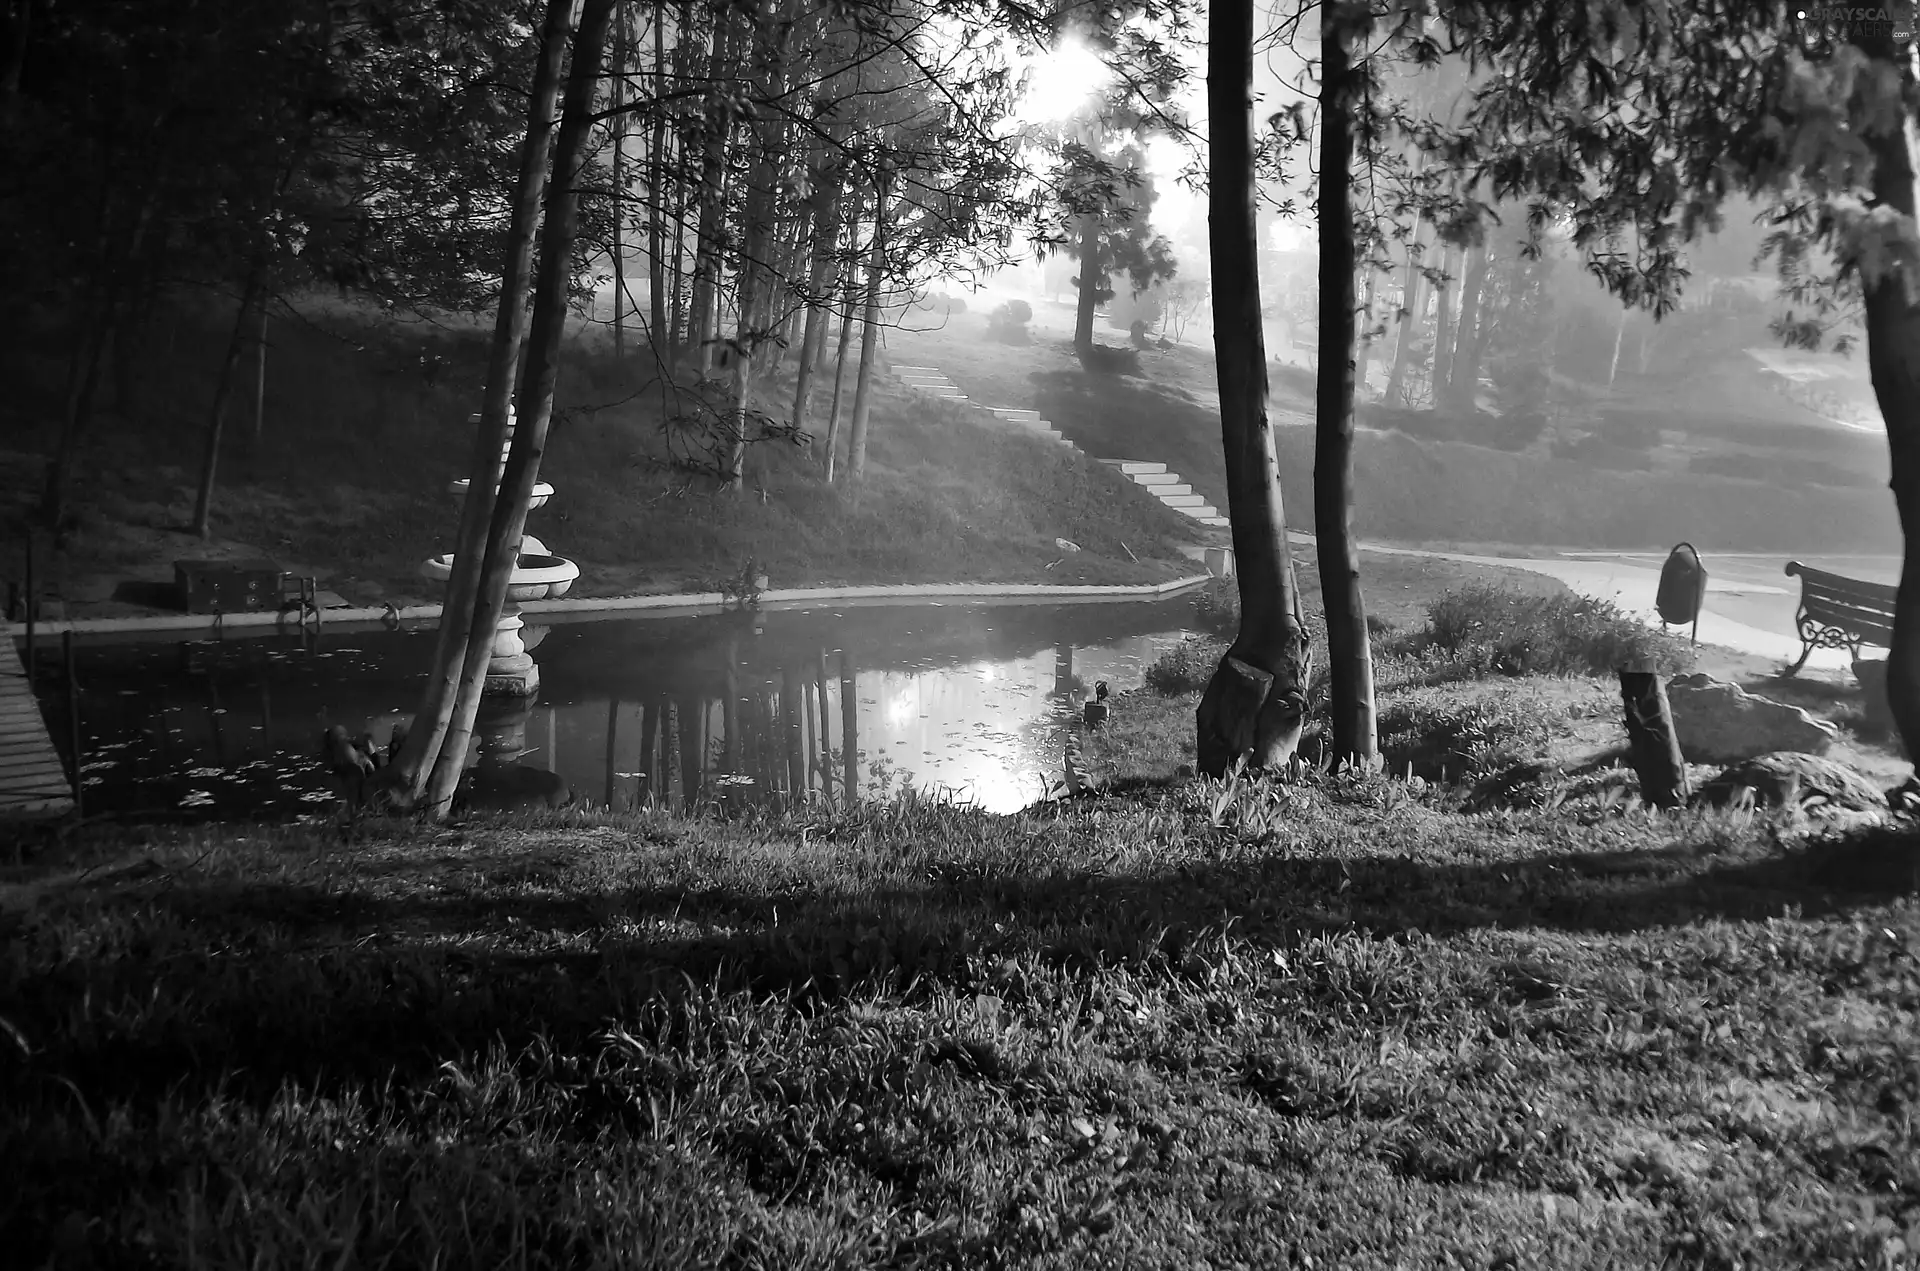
{"type": "Point", "coordinates": [1494, 629]}
{"type": "Point", "coordinates": [1185, 668]}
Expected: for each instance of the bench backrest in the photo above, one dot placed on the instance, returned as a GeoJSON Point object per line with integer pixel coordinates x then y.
{"type": "Point", "coordinates": [1859, 608]}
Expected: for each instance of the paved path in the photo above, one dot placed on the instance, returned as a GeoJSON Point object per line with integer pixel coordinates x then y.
{"type": "Point", "coordinates": [33, 781]}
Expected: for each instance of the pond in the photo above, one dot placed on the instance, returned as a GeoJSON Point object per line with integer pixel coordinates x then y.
{"type": "Point", "coordinates": [971, 702]}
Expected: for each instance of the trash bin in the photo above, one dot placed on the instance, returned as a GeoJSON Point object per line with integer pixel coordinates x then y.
{"type": "Point", "coordinates": [1683, 587]}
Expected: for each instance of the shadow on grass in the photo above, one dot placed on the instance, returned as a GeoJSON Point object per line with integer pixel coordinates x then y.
{"type": "Point", "coordinates": [243, 986]}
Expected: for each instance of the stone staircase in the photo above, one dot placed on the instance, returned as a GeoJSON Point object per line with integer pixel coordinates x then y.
{"type": "Point", "coordinates": [1169, 489]}
{"type": "Point", "coordinates": [929, 380]}
{"type": "Point", "coordinates": [1153, 477]}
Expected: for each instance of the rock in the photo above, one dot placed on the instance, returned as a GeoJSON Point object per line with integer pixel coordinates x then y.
{"type": "Point", "coordinates": [1788, 777]}
{"type": "Point", "coordinates": [1872, 675]}
{"type": "Point", "coordinates": [1720, 723]}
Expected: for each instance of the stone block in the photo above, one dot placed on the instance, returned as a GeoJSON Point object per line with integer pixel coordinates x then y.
{"type": "Point", "coordinates": [1719, 722]}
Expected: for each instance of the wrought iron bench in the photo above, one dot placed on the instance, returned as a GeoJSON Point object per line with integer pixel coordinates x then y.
{"type": "Point", "coordinates": [1837, 612]}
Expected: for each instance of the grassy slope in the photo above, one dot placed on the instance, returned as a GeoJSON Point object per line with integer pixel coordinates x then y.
{"type": "Point", "coordinates": [1412, 490]}
{"type": "Point", "coordinates": [348, 481]}
{"type": "Point", "coordinates": [1337, 1023]}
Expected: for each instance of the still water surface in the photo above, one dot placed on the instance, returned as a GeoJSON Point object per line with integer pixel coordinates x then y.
{"type": "Point", "coordinates": [971, 701]}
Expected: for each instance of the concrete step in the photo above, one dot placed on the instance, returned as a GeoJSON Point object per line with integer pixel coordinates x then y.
{"type": "Point", "coordinates": [1133, 467]}
{"type": "Point", "coordinates": [1200, 513]}
{"type": "Point", "coordinates": [1014, 412]}
{"type": "Point", "coordinates": [1219, 522]}
{"type": "Point", "coordinates": [916, 370]}
{"type": "Point", "coordinates": [1164, 492]}
{"type": "Point", "coordinates": [1154, 480]}
{"type": "Point", "coordinates": [1183, 500]}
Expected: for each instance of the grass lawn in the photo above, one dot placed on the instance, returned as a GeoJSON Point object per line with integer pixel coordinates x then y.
{"type": "Point", "coordinates": [1337, 1022]}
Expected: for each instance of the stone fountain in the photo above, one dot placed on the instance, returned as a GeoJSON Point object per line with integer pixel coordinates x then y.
{"type": "Point", "coordinates": [537, 575]}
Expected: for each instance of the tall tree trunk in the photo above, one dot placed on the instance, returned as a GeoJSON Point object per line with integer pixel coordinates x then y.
{"type": "Point", "coordinates": [1619, 334]}
{"type": "Point", "coordinates": [547, 325]}
{"type": "Point", "coordinates": [1462, 373]}
{"type": "Point", "coordinates": [713, 179]}
{"type": "Point", "coordinates": [657, 202]}
{"type": "Point", "coordinates": [840, 366]}
{"type": "Point", "coordinates": [217, 417]}
{"type": "Point", "coordinates": [409, 772]}
{"type": "Point", "coordinates": [1256, 702]}
{"type": "Point", "coordinates": [621, 44]}
{"type": "Point", "coordinates": [1093, 276]}
{"type": "Point", "coordinates": [756, 286]}
{"type": "Point", "coordinates": [1442, 370]}
{"type": "Point", "coordinates": [825, 240]}
{"type": "Point", "coordinates": [869, 341]}
{"type": "Point", "coordinates": [1344, 25]}
{"type": "Point", "coordinates": [1893, 360]}
{"type": "Point", "coordinates": [1412, 301]}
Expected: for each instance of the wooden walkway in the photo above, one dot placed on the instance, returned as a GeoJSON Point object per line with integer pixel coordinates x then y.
{"type": "Point", "coordinates": [33, 780]}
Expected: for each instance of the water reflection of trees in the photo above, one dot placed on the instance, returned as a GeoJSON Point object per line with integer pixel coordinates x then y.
{"type": "Point", "coordinates": [768, 736]}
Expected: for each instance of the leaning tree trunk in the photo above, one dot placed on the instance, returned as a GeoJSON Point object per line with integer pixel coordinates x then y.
{"type": "Point", "coordinates": [547, 327]}
{"type": "Point", "coordinates": [840, 365]}
{"type": "Point", "coordinates": [869, 342]}
{"type": "Point", "coordinates": [1093, 277]}
{"type": "Point", "coordinates": [1349, 658]}
{"type": "Point", "coordinates": [1893, 360]}
{"type": "Point", "coordinates": [409, 772]}
{"type": "Point", "coordinates": [1256, 701]}
{"type": "Point", "coordinates": [201, 525]}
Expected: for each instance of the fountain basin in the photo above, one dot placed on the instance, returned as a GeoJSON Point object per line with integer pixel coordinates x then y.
{"type": "Point", "coordinates": [535, 576]}
{"type": "Point", "coordinates": [541, 491]}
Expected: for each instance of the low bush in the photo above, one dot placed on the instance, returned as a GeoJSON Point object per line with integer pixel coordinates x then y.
{"type": "Point", "coordinates": [1185, 668]}
{"type": "Point", "coordinates": [1485, 629]}
{"type": "Point", "coordinates": [1008, 322]}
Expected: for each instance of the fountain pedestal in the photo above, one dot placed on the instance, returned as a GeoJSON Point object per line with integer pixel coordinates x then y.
{"type": "Point", "coordinates": [537, 575]}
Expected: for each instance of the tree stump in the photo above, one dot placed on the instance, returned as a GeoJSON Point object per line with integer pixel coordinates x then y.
{"type": "Point", "coordinates": [1655, 749]}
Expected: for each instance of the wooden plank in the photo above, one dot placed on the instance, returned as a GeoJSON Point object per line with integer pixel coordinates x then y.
{"type": "Point", "coordinates": [33, 777]}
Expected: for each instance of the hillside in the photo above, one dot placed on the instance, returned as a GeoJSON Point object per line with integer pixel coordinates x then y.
{"type": "Point", "coordinates": [1705, 453]}
{"type": "Point", "coordinates": [366, 422]}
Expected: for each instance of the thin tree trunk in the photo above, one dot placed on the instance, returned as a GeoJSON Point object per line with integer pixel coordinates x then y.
{"type": "Point", "coordinates": [536, 395]}
{"type": "Point", "coordinates": [1412, 301]}
{"type": "Point", "coordinates": [755, 285]}
{"type": "Point", "coordinates": [1441, 375]}
{"type": "Point", "coordinates": [1893, 361]}
{"type": "Point", "coordinates": [1093, 276]}
{"type": "Point", "coordinates": [84, 379]}
{"type": "Point", "coordinates": [217, 417]}
{"type": "Point", "coordinates": [1255, 704]}
{"type": "Point", "coordinates": [1349, 657]}
{"type": "Point", "coordinates": [826, 239]}
{"type": "Point", "coordinates": [260, 376]}
{"type": "Point", "coordinates": [408, 773]}
{"type": "Point", "coordinates": [869, 342]}
{"type": "Point", "coordinates": [1462, 372]}
{"type": "Point", "coordinates": [1619, 334]}
{"type": "Point", "coordinates": [706, 264]}
{"type": "Point", "coordinates": [620, 47]}
{"type": "Point", "coordinates": [840, 368]}
{"type": "Point", "coordinates": [656, 189]}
